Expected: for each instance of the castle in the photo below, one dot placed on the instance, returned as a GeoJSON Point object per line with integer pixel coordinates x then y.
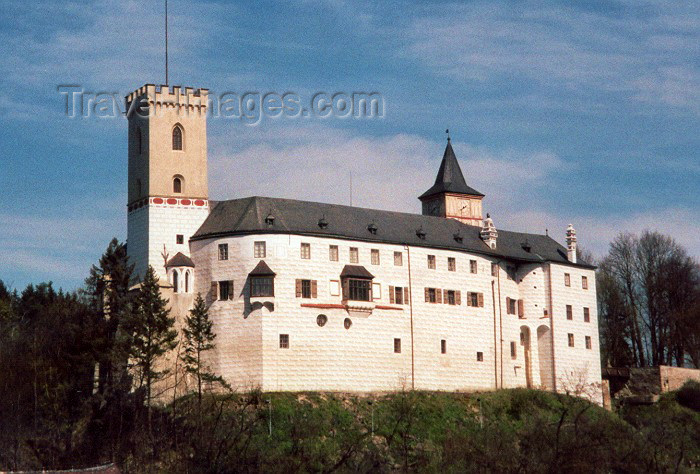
{"type": "Point", "coordinates": [313, 296]}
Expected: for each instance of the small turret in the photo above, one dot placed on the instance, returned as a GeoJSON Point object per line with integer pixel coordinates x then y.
{"type": "Point", "coordinates": [571, 243]}
{"type": "Point", "coordinates": [488, 233]}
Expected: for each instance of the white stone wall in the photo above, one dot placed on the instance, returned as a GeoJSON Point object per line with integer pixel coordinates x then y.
{"type": "Point", "coordinates": [153, 229]}
{"type": "Point", "coordinates": [577, 368]}
{"type": "Point", "coordinates": [362, 358]}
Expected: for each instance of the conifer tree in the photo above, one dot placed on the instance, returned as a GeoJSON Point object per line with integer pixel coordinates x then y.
{"type": "Point", "coordinates": [150, 335]}
{"type": "Point", "coordinates": [199, 338]}
{"type": "Point", "coordinates": [107, 289]}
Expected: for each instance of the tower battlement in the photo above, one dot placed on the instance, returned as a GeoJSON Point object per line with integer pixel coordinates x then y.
{"type": "Point", "coordinates": [166, 96]}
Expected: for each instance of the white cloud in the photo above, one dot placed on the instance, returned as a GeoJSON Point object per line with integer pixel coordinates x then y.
{"type": "Point", "coordinates": [646, 55]}
{"type": "Point", "coordinates": [389, 172]}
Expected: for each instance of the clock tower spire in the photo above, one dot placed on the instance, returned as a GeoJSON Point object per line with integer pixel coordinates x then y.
{"type": "Point", "coordinates": [450, 196]}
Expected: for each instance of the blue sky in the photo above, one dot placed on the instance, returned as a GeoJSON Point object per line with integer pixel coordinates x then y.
{"type": "Point", "coordinates": [585, 113]}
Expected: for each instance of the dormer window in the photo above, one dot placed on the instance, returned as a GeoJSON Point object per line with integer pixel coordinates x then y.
{"type": "Point", "coordinates": [177, 137]}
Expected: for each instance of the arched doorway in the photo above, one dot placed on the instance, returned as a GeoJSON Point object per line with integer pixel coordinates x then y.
{"type": "Point", "coordinates": [544, 351]}
{"type": "Point", "coordinates": [525, 342]}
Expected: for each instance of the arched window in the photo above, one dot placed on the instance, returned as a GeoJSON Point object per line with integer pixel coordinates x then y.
{"type": "Point", "coordinates": [187, 282]}
{"type": "Point", "coordinates": [177, 137]}
{"type": "Point", "coordinates": [177, 185]}
{"type": "Point", "coordinates": [139, 148]}
{"type": "Point", "coordinates": [175, 281]}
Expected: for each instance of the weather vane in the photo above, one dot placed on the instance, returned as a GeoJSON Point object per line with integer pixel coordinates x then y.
{"type": "Point", "coordinates": [447, 131]}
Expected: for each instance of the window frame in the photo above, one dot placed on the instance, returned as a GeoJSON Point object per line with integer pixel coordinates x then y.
{"type": "Point", "coordinates": [398, 257]}
{"type": "Point", "coordinates": [571, 339]}
{"type": "Point", "coordinates": [432, 263]}
{"type": "Point", "coordinates": [178, 141]}
{"type": "Point", "coordinates": [223, 252]}
{"type": "Point", "coordinates": [256, 286]}
{"type": "Point", "coordinates": [305, 251]}
{"type": "Point", "coordinates": [257, 247]}
{"type": "Point", "coordinates": [473, 267]}
{"type": "Point", "coordinates": [397, 345]}
{"type": "Point", "coordinates": [333, 253]}
{"type": "Point", "coordinates": [586, 314]}
{"type": "Point", "coordinates": [569, 312]}
{"type": "Point", "coordinates": [589, 342]}
{"type": "Point", "coordinates": [354, 255]}
{"type": "Point", "coordinates": [567, 279]}
{"type": "Point", "coordinates": [451, 264]}
{"type": "Point", "coordinates": [357, 287]}
{"type": "Point", "coordinates": [584, 282]}
{"type": "Point", "coordinates": [284, 341]}
{"type": "Point", "coordinates": [179, 239]}
{"type": "Point", "coordinates": [375, 257]}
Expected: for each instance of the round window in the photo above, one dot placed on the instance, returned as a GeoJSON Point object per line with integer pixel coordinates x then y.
{"type": "Point", "coordinates": [321, 320]}
{"type": "Point", "coordinates": [347, 323]}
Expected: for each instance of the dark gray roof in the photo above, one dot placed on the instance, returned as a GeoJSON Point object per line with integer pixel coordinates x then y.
{"type": "Point", "coordinates": [356, 271]}
{"type": "Point", "coordinates": [262, 269]}
{"type": "Point", "coordinates": [450, 178]}
{"type": "Point", "coordinates": [180, 260]}
{"type": "Point", "coordinates": [247, 216]}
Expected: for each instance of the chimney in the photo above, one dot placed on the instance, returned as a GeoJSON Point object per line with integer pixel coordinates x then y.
{"type": "Point", "coordinates": [571, 243]}
{"type": "Point", "coordinates": [489, 234]}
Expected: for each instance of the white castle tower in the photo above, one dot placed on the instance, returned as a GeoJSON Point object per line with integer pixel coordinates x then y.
{"type": "Point", "coordinates": [168, 191]}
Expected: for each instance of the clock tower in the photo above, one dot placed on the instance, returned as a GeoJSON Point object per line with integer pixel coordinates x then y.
{"type": "Point", "coordinates": [450, 197]}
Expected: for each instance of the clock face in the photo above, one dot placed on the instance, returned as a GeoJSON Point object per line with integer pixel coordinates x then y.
{"type": "Point", "coordinates": [464, 208]}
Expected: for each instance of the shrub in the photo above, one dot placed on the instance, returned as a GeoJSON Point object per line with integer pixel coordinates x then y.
{"type": "Point", "coordinates": [689, 395]}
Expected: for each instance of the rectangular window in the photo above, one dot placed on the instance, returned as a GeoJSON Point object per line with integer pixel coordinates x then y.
{"type": "Point", "coordinates": [451, 264]}
{"type": "Point", "coordinates": [511, 305]}
{"type": "Point", "coordinates": [584, 282]}
{"type": "Point", "coordinates": [494, 269]}
{"type": "Point", "coordinates": [569, 312]}
{"type": "Point", "coordinates": [376, 291]}
{"type": "Point", "coordinates": [398, 259]}
{"type": "Point", "coordinates": [334, 287]}
{"type": "Point", "coordinates": [479, 356]}
{"type": "Point", "coordinates": [375, 256]}
{"type": "Point", "coordinates": [354, 255]}
{"type": "Point", "coordinates": [474, 299]}
{"type": "Point", "coordinates": [443, 346]}
{"type": "Point", "coordinates": [431, 294]}
{"type": "Point", "coordinates": [513, 350]}
{"type": "Point", "coordinates": [306, 288]}
{"type": "Point", "coordinates": [333, 253]}
{"type": "Point", "coordinates": [567, 279]}
{"type": "Point", "coordinates": [223, 251]}
{"type": "Point", "coordinates": [259, 250]}
{"type": "Point", "coordinates": [262, 286]}
{"type": "Point", "coordinates": [571, 340]}
{"type": "Point", "coordinates": [451, 299]}
{"type": "Point", "coordinates": [284, 341]}
{"type": "Point", "coordinates": [359, 290]}
{"type": "Point", "coordinates": [225, 290]}
{"type": "Point", "coordinates": [397, 345]}
{"type": "Point", "coordinates": [586, 315]}
{"type": "Point", "coordinates": [589, 344]}
{"type": "Point", "coordinates": [431, 262]}
{"type": "Point", "coordinates": [396, 294]}
{"type": "Point", "coordinates": [179, 239]}
{"type": "Point", "coordinates": [472, 266]}
{"type": "Point", "coordinates": [305, 251]}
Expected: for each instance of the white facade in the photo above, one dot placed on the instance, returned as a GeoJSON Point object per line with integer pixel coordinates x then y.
{"type": "Point", "coordinates": [362, 358]}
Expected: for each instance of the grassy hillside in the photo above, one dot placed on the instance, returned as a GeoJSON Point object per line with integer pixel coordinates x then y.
{"type": "Point", "coordinates": [504, 431]}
